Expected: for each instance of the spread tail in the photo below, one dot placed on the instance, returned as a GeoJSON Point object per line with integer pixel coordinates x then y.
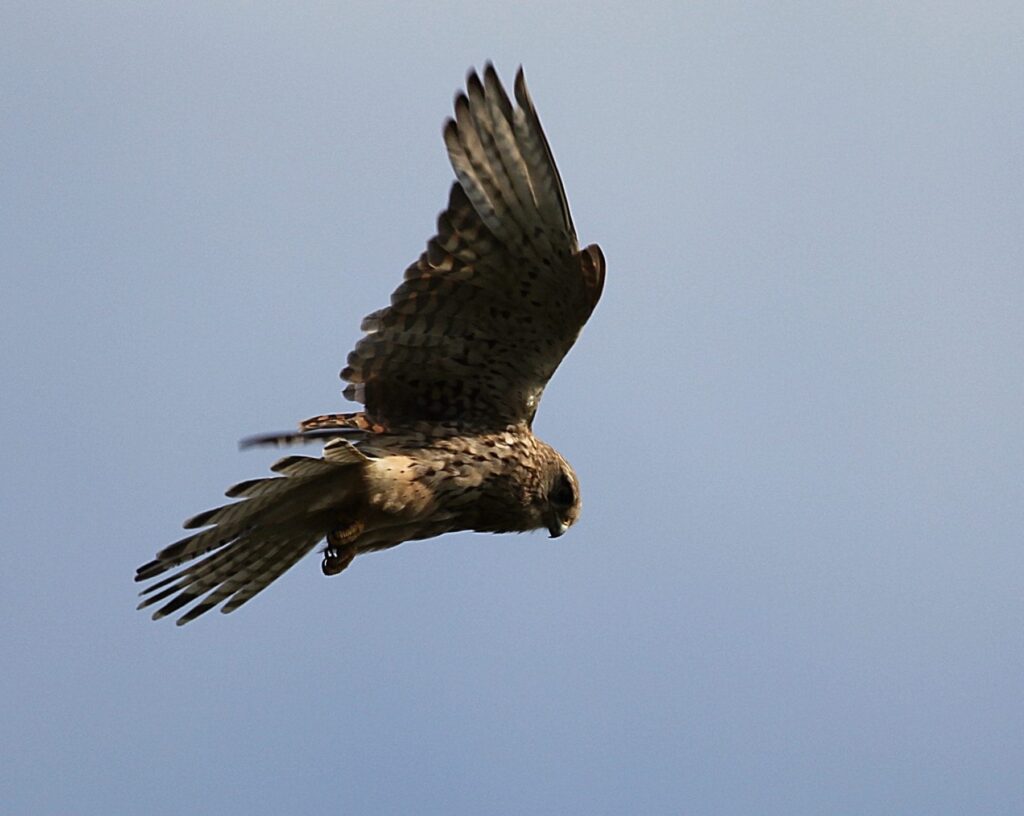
{"type": "Point", "coordinates": [249, 544]}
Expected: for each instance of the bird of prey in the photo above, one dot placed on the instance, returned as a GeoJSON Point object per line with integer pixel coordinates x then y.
{"type": "Point", "coordinates": [449, 376]}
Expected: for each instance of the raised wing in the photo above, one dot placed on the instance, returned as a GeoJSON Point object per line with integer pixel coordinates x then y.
{"type": "Point", "coordinates": [487, 313]}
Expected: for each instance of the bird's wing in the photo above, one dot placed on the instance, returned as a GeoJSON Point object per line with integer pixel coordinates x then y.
{"type": "Point", "coordinates": [484, 317]}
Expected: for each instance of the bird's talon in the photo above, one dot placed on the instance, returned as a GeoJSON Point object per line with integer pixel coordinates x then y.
{"type": "Point", "coordinates": [341, 548]}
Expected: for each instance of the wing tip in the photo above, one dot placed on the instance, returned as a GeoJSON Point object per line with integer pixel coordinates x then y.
{"type": "Point", "coordinates": [522, 92]}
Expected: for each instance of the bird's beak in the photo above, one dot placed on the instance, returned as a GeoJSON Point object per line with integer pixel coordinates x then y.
{"type": "Point", "coordinates": [557, 528]}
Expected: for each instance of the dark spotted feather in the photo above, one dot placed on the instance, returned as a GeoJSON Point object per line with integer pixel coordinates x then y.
{"type": "Point", "coordinates": [487, 313]}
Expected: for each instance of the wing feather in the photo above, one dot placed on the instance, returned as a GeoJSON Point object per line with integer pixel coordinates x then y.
{"type": "Point", "coordinates": [483, 318]}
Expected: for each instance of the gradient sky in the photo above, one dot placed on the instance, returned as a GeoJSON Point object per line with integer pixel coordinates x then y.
{"type": "Point", "coordinates": [797, 414]}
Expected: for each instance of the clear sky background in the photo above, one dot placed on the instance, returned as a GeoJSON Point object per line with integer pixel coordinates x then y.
{"type": "Point", "coordinates": [798, 583]}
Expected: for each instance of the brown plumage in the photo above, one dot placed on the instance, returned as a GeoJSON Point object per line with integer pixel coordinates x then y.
{"type": "Point", "coordinates": [450, 376]}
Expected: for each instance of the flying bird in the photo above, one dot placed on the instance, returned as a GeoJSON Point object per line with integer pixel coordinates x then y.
{"type": "Point", "coordinates": [449, 375]}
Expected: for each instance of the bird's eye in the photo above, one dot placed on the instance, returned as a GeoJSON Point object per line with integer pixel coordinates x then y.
{"type": "Point", "coordinates": [563, 495]}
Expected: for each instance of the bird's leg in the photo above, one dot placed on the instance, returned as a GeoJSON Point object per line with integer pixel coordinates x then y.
{"type": "Point", "coordinates": [341, 547]}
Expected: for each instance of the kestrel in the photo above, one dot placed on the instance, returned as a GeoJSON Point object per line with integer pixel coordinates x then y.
{"type": "Point", "coordinates": [449, 375]}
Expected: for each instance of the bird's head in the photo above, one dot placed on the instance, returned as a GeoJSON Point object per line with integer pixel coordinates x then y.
{"type": "Point", "coordinates": [561, 502]}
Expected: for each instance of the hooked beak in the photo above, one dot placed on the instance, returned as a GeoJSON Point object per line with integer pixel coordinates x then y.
{"type": "Point", "coordinates": [557, 528]}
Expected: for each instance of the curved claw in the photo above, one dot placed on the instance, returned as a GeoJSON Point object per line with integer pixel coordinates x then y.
{"type": "Point", "coordinates": [341, 548]}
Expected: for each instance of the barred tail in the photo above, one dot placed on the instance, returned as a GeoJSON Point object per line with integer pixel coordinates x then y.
{"type": "Point", "coordinates": [249, 544]}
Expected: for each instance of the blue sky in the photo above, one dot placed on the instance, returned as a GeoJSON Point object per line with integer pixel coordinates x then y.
{"type": "Point", "coordinates": [796, 414]}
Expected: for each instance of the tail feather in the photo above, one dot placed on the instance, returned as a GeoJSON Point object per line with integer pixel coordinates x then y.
{"type": "Point", "coordinates": [275, 503]}
{"type": "Point", "coordinates": [196, 580]}
{"type": "Point", "coordinates": [242, 577]}
{"type": "Point", "coordinates": [253, 487]}
{"type": "Point", "coordinates": [250, 543]}
{"type": "Point", "coordinates": [303, 466]}
{"type": "Point", "coordinates": [271, 570]}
